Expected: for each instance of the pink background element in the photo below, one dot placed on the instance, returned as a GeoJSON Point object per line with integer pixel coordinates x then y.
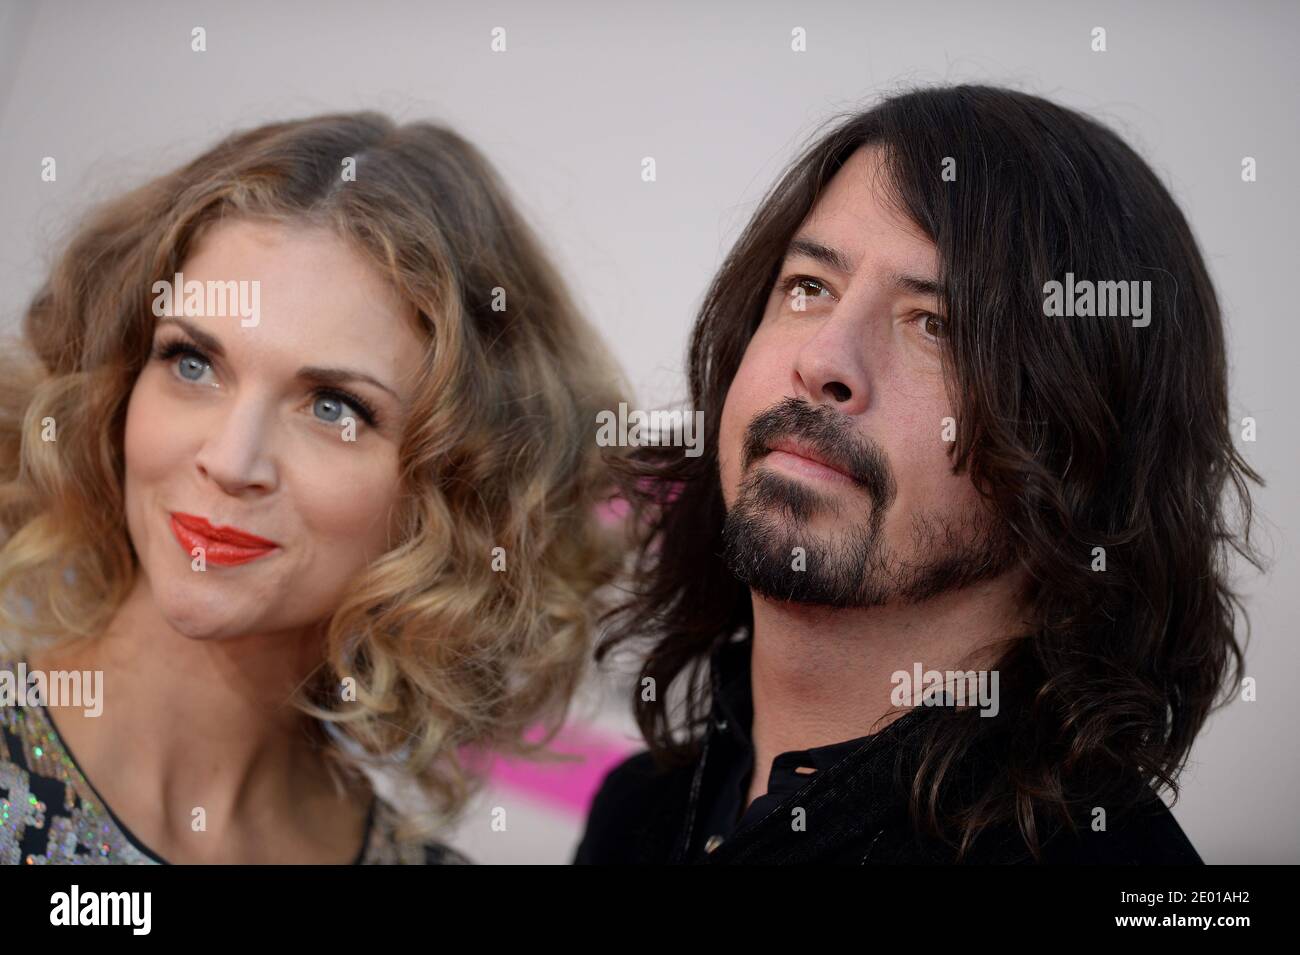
{"type": "Point", "coordinates": [571, 785]}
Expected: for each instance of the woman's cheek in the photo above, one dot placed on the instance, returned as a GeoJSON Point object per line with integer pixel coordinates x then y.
{"type": "Point", "coordinates": [156, 432]}
{"type": "Point", "coordinates": [347, 501]}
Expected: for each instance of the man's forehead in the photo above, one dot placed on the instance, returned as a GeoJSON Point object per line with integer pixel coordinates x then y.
{"type": "Point", "coordinates": [858, 214]}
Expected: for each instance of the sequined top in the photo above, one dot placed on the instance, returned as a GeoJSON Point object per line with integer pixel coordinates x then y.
{"type": "Point", "coordinates": [50, 814]}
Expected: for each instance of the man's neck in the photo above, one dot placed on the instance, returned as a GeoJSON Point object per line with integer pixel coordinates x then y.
{"type": "Point", "coordinates": [821, 676]}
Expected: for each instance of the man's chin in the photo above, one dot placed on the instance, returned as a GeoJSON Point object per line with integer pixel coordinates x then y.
{"type": "Point", "coordinates": [795, 564]}
{"type": "Point", "coordinates": [799, 597]}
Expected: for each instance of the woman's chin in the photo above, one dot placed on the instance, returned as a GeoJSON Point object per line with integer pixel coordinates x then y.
{"type": "Point", "coordinates": [202, 630]}
{"type": "Point", "coordinates": [199, 618]}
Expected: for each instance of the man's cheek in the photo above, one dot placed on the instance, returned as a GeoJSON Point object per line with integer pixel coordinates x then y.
{"type": "Point", "coordinates": [729, 444]}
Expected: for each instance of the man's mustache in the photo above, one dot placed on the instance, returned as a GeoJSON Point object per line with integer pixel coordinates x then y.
{"type": "Point", "coordinates": [829, 434]}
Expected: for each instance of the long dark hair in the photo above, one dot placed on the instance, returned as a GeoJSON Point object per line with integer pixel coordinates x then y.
{"type": "Point", "coordinates": [1081, 432]}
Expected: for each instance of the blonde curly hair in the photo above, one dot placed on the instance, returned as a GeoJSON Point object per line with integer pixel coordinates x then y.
{"type": "Point", "coordinates": [450, 659]}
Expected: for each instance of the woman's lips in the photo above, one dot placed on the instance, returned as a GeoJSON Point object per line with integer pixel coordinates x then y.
{"type": "Point", "coordinates": [225, 546]}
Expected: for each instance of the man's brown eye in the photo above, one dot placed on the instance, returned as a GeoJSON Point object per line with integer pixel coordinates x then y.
{"type": "Point", "coordinates": [935, 326]}
{"type": "Point", "coordinates": [802, 287]}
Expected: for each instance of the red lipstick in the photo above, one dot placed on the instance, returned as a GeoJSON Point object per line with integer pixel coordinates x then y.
{"type": "Point", "coordinates": [224, 546]}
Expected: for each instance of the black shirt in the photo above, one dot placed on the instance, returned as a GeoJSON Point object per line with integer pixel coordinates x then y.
{"type": "Point", "coordinates": [854, 810]}
{"type": "Point", "coordinates": [724, 812]}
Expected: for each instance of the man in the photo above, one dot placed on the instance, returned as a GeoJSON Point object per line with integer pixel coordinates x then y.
{"type": "Point", "coordinates": [946, 583]}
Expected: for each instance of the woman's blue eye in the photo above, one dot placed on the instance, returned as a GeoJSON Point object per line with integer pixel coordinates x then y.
{"type": "Point", "coordinates": [355, 408]}
{"type": "Point", "coordinates": [333, 403]}
{"type": "Point", "coordinates": [191, 359]}
{"type": "Point", "coordinates": [192, 363]}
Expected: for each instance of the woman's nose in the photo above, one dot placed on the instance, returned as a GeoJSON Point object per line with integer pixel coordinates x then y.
{"type": "Point", "coordinates": [236, 453]}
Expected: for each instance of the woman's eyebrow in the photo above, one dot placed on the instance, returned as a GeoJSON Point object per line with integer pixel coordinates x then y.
{"type": "Point", "coordinates": [199, 335]}
{"type": "Point", "coordinates": [340, 376]}
{"type": "Point", "coordinates": [315, 373]}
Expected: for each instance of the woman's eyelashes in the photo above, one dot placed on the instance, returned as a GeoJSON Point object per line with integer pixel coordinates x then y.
{"type": "Point", "coordinates": [196, 363]}
{"type": "Point", "coordinates": [195, 360]}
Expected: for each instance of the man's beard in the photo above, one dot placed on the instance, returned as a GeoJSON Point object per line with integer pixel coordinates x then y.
{"type": "Point", "coordinates": [851, 567]}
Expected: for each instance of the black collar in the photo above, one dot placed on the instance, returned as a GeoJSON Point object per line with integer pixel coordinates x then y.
{"type": "Point", "coordinates": [722, 777]}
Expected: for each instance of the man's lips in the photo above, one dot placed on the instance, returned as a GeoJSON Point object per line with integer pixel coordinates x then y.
{"type": "Point", "coordinates": [795, 455]}
{"type": "Point", "coordinates": [221, 545]}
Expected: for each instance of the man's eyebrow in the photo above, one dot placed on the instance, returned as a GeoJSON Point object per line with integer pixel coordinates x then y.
{"type": "Point", "coordinates": [827, 256]}
{"type": "Point", "coordinates": [916, 285]}
{"type": "Point", "coordinates": [324, 376]}
{"type": "Point", "coordinates": [835, 259]}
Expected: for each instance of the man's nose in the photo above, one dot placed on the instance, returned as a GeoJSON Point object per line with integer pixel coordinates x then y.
{"type": "Point", "coordinates": [830, 367]}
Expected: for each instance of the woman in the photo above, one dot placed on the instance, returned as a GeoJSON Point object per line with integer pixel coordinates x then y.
{"type": "Point", "coordinates": [297, 460]}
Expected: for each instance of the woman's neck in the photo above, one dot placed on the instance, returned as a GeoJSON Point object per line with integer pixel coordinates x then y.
{"type": "Point", "coordinates": [198, 747]}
